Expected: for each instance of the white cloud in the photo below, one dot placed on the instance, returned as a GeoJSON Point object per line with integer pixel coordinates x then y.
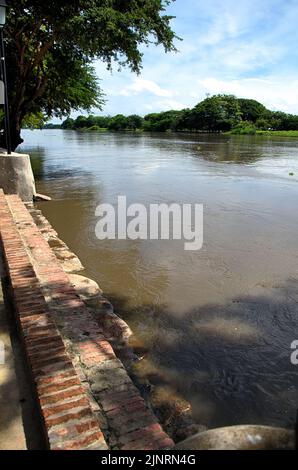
{"type": "Point", "coordinates": [247, 56]}
{"type": "Point", "coordinates": [165, 105]}
{"type": "Point", "coordinates": [140, 85]}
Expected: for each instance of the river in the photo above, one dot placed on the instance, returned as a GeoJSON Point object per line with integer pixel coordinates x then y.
{"type": "Point", "coordinates": [216, 324]}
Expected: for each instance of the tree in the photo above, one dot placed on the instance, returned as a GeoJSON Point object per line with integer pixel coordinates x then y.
{"type": "Point", "coordinates": [51, 46]}
{"type": "Point", "coordinates": [81, 122]}
{"type": "Point", "coordinates": [251, 110]}
{"type": "Point", "coordinates": [34, 121]}
{"type": "Point", "coordinates": [118, 123]}
{"type": "Point", "coordinates": [161, 122]}
{"type": "Point", "coordinates": [278, 120]}
{"type": "Point", "coordinates": [185, 121]}
{"type": "Point", "coordinates": [282, 121]}
{"type": "Point", "coordinates": [102, 121]}
{"type": "Point", "coordinates": [68, 123]}
{"type": "Point", "coordinates": [245, 128]}
{"type": "Point", "coordinates": [216, 113]}
{"type": "Point", "coordinates": [134, 122]}
{"type": "Point", "coordinates": [263, 124]}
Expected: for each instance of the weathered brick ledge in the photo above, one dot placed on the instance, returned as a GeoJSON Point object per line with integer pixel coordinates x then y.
{"type": "Point", "coordinates": [85, 396]}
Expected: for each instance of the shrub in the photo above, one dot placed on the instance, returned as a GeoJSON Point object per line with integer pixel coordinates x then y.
{"type": "Point", "coordinates": [244, 128]}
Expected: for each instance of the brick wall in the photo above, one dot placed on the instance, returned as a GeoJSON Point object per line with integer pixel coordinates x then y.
{"type": "Point", "coordinates": [79, 380]}
{"type": "Point", "coordinates": [68, 419]}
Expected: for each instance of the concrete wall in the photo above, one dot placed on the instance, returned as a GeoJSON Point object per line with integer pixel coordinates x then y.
{"type": "Point", "coordinates": [16, 176]}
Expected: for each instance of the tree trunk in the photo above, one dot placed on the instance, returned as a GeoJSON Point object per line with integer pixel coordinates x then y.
{"type": "Point", "coordinates": [15, 134]}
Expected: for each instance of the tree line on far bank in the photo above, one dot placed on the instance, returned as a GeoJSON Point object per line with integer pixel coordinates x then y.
{"type": "Point", "coordinates": [218, 113]}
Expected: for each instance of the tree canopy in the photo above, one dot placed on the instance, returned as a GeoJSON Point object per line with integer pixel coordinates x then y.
{"type": "Point", "coordinates": [251, 110]}
{"type": "Point", "coordinates": [51, 47]}
{"type": "Point", "coordinates": [217, 113]}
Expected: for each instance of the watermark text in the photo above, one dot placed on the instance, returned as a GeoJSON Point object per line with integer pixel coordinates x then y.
{"type": "Point", "coordinates": [294, 355]}
{"type": "Point", "coordinates": [158, 222]}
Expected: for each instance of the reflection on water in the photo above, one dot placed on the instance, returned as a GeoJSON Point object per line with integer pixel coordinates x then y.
{"type": "Point", "coordinates": [218, 323]}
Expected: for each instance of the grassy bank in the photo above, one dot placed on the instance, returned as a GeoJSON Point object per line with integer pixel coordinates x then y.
{"type": "Point", "coordinates": [251, 131]}
{"type": "Point", "coordinates": [279, 133]}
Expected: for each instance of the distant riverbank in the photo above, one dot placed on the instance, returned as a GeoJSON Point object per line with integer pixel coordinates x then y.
{"type": "Point", "coordinates": [279, 133]}
{"type": "Point", "coordinates": [215, 114]}
{"type": "Point", "coordinates": [232, 132]}
{"type": "Point", "coordinates": [253, 131]}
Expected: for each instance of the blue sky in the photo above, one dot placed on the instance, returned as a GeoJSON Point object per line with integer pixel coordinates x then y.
{"type": "Point", "coordinates": [245, 47]}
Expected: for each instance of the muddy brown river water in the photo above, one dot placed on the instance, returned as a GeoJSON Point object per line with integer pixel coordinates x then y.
{"type": "Point", "coordinates": [216, 324]}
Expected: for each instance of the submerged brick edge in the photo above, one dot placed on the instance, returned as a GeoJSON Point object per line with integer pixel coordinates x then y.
{"type": "Point", "coordinates": [69, 421]}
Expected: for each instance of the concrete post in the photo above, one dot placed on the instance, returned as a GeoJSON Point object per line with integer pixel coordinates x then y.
{"type": "Point", "coordinates": [16, 176]}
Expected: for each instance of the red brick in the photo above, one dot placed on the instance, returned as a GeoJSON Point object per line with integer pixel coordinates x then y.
{"type": "Point", "coordinates": [27, 311]}
{"type": "Point", "coordinates": [56, 378]}
{"type": "Point", "coordinates": [129, 422]}
{"type": "Point", "coordinates": [62, 395]}
{"type": "Point", "coordinates": [53, 353]}
{"type": "Point", "coordinates": [37, 362]}
{"type": "Point", "coordinates": [32, 320]}
{"type": "Point", "coordinates": [78, 444]}
{"type": "Point", "coordinates": [56, 387]}
{"type": "Point", "coordinates": [30, 300]}
{"type": "Point", "coordinates": [41, 332]}
{"type": "Point", "coordinates": [154, 430]}
{"type": "Point", "coordinates": [73, 430]}
{"type": "Point", "coordinates": [52, 368]}
{"type": "Point", "coordinates": [16, 283]}
{"type": "Point", "coordinates": [129, 402]}
{"type": "Point", "coordinates": [70, 416]}
{"type": "Point", "coordinates": [32, 295]}
{"type": "Point", "coordinates": [54, 344]}
{"type": "Point", "coordinates": [35, 342]}
{"type": "Point", "coordinates": [58, 409]}
{"type": "Point", "coordinates": [139, 421]}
